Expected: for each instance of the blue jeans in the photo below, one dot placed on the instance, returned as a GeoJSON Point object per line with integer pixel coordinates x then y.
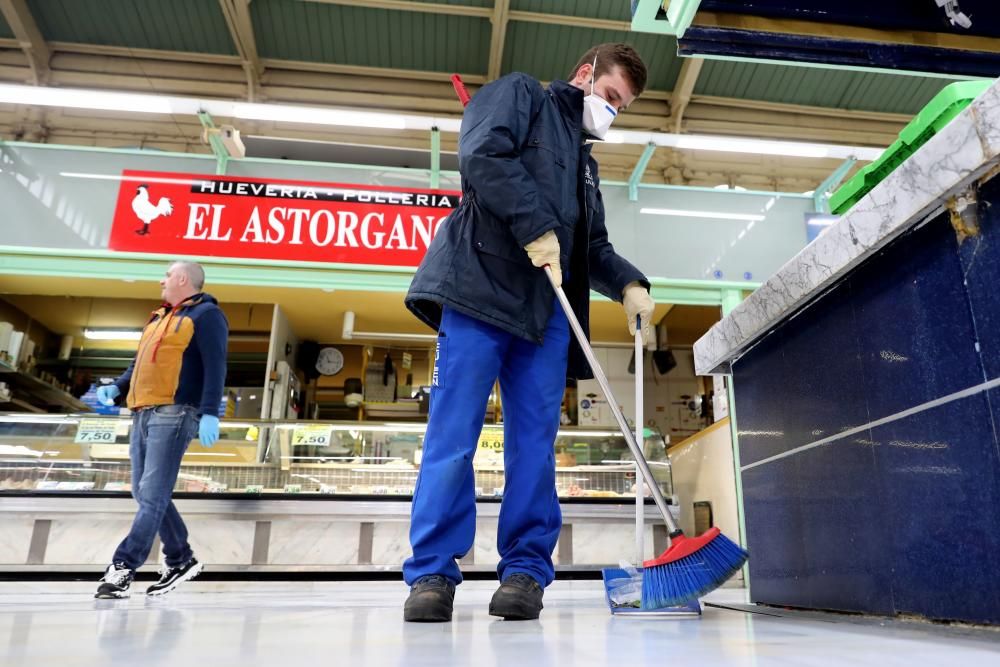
{"type": "Point", "coordinates": [159, 438]}
{"type": "Point", "coordinates": [471, 356]}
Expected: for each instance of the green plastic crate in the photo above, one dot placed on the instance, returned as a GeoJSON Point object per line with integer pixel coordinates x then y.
{"type": "Point", "coordinates": [939, 112]}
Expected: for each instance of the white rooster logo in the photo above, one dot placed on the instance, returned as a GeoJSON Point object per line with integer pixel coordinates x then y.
{"type": "Point", "coordinates": [145, 211]}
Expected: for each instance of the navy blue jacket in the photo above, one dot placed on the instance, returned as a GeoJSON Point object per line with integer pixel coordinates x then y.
{"type": "Point", "coordinates": [525, 171]}
{"type": "Point", "coordinates": [181, 358]}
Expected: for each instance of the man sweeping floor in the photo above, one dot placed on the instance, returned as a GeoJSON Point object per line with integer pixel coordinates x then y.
{"type": "Point", "coordinates": [530, 199]}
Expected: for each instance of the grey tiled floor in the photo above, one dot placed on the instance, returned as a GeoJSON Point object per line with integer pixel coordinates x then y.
{"type": "Point", "coordinates": [292, 624]}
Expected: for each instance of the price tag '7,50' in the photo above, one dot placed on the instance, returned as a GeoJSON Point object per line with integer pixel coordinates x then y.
{"type": "Point", "coordinates": [316, 435]}
{"type": "Point", "coordinates": [101, 431]}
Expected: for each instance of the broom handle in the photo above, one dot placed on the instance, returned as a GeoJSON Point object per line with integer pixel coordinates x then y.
{"type": "Point", "coordinates": [640, 494]}
{"type": "Point", "coordinates": [588, 352]}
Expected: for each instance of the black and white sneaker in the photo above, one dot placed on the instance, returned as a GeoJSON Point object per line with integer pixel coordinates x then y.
{"type": "Point", "coordinates": [172, 577]}
{"type": "Point", "coordinates": [115, 583]}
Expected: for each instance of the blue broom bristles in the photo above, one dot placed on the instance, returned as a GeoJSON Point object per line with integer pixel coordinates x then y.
{"type": "Point", "coordinates": [683, 580]}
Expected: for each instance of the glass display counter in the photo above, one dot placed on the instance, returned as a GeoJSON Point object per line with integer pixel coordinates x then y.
{"type": "Point", "coordinates": [275, 496]}
{"type": "Point", "coordinates": [79, 453]}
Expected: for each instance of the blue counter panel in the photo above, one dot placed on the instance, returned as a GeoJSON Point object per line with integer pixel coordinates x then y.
{"type": "Point", "coordinates": [777, 513]}
{"type": "Point", "coordinates": [844, 531]}
{"type": "Point", "coordinates": [918, 341]}
{"type": "Point", "coordinates": [868, 435]}
{"type": "Point", "coordinates": [980, 258]}
{"type": "Point", "coordinates": [822, 364]}
{"type": "Point", "coordinates": [763, 377]}
{"type": "Point", "coordinates": [937, 473]}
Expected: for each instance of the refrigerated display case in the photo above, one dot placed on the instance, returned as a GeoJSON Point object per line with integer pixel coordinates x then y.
{"type": "Point", "coordinates": [90, 454]}
{"type": "Point", "coordinates": [294, 495]}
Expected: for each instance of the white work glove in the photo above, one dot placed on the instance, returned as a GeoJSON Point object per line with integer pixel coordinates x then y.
{"type": "Point", "coordinates": [637, 301]}
{"type": "Point", "coordinates": [545, 250]}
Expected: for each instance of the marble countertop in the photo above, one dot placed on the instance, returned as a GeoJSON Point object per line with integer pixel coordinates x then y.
{"type": "Point", "coordinates": [954, 158]}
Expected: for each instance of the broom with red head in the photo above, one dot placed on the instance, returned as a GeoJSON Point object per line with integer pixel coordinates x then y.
{"type": "Point", "coordinates": [691, 566]}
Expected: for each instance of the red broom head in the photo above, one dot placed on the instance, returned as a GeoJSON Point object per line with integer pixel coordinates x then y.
{"type": "Point", "coordinates": [682, 547]}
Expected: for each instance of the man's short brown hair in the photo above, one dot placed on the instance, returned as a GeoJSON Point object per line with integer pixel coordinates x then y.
{"type": "Point", "coordinates": [611, 55]}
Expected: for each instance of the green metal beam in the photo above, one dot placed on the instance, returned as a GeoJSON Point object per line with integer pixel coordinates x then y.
{"type": "Point", "coordinates": [248, 160]}
{"type": "Point", "coordinates": [731, 299]}
{"type": "Point", "coordinates": [821, 196]}
{"type": "Point", "coordinates": [677, 19]}
{"type": "Point", "coordinates": [696, 188]}
{"type": "Point", "coordinates": [640, 169]}
{"type": "Point", "coordinates": [111, 265]}
{"type": "Point", "coordinates": [215, 141]}
{"type": "Point", "coordinates": [366, 167]}
{"type": "Point", "coordinates": [680, 14]}
{"type": "Point", "coordinates": [435, 158]}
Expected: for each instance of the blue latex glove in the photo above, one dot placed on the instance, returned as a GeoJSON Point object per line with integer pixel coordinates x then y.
{"type": "Point", "coordinates": [107, 393]}
{"type": "Point", "coordinates": [208, 430]}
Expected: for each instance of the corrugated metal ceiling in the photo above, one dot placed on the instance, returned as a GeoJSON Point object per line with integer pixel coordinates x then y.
{"type": "Point", "coordinates": [461, 3]}
{"type": "Point", "coordinates": [351, 35]}
{"type": "Point", "coordinates": [550, 51]}
{"type": "Point", "coordinates": [178, 25]}
{"type": "Point", "coordinates": [370, 37]}
{"type": "Point", "coordinates": [843, 89]}
{"type": "Point", "coordinates": [594, 9]}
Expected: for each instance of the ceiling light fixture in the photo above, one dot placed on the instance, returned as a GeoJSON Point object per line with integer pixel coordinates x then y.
{"type": "Point", "coordinates": [112, 334]}
{"type": "Point", "coordinates": [84, 99]}
{"type": "Point", "coordinates": [678, 213]}
{"type": "Point", "coordinates": [756, 146]}
{"type": "Point", "coordinates": [318, 115]}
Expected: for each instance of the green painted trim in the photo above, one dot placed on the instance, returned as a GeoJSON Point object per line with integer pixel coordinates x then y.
{"type": "Point", "coordinates": [102, 253]}
{"type": "Point", "coordinates": [644, 18]}
{"type": "Point", "coordinates": [639, 170]}
{"type": "Point", "coordinates": [132, 269]}
{"type": "Point", "coordinates": [220, 152]}
{"type": "Point", "coordinates": [368, 167]}
{"type": "Point", "coordinates": [341, 165]}
{"type": "Point", "coordinates": [731, 299]}
{"type": "Point", "coordinates": [435, 158]}
{"type": "Point", "coordinates": [202, 156]}
{"type": "Point", "coordinates": [821, 196]}
{"type": "Point", "coordinates": [681, 13]}
{"type": "Point", "coordinates": [694, 293]}
{"type": "Point", "coordinates": [144, 152]}
{"type": "Point", "coordinates": [850, 68]}
{"type": "Point", "coordinates": [740, 510]}
{"type": "Point", "coordinates": [698, 188]}
{"type": "Point", "coordinates": [111, 265]}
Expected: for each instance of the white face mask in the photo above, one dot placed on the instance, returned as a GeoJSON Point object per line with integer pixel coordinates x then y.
{"type": "Point", "coordinates": [597, 113]}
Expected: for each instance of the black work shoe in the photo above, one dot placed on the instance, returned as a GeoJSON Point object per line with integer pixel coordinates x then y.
{"type": "Point", "coordinates": [431, 599]}
{"type": "Point", "coordinates": [172, 577]}
{"type": "Point", "coordinates": [519, 598]}
{"type": "Point", "coordinates": [115, 583]}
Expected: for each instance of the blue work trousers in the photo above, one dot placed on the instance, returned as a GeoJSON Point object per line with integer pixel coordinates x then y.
{"type": "Point", "coordinates": [471, 355]}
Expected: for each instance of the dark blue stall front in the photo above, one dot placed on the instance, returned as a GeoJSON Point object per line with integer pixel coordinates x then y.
{"type": "Point", "coordinates": [868, 433]}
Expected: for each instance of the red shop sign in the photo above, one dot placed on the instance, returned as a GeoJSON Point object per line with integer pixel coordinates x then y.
{"type": "Point", "coordinates": [224, 216]}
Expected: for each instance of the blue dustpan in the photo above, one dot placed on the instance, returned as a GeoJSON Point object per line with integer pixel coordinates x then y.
{"type": "Point", "coordinates": [690, 610]}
